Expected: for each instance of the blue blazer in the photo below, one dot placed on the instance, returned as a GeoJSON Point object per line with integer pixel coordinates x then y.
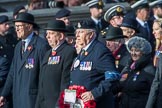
{"type": "Point", "coordinates": [90, 73]}
{"type": "Point", "coordinates": [23, 76]}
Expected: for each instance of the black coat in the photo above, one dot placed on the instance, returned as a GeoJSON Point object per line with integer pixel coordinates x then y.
{"type": "Point", "coordinates": [23, 76]}
{"type": "Point", "coordinates": [136, 88]}
{"type": "Point", "coordinates": [90, 73]}
{"type": "Point", "coordinates": [7, 46]}
{"type": "Point", "coordinates": [55, 78]}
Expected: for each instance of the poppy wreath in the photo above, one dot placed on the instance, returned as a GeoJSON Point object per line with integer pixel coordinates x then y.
{"type": "Point", "coordinates": [79, 91]}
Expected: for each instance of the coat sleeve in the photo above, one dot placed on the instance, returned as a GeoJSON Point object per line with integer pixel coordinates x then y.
{"type": "Point", "coordinates": [9, 82]}
{"type": "Point", "coordinates": [154, 90]}
{"type": "Point", "coordinates": [104, 62]}
{"type": "Point", "coordinates": [4, 69]}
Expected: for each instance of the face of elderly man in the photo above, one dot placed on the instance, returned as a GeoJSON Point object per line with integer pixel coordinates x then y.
{"type": "Point", "coordinates": [114, 45]}
{"type": "Point", "coordinates": [135, 53]}
{"type": "Point", "coordinates": [23, 29]}
{"type": "Point", "coordinates": [54, 38]}
{"type": "Point", "coordinates": [84, 36]}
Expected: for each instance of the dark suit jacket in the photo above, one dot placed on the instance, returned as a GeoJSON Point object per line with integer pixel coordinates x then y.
{"type": "Point", "coordinates": [23, 79]}
{"type": "Point", "coordinates": [55, 77]}
{"type": "Point", "coordinates": [94, 79]}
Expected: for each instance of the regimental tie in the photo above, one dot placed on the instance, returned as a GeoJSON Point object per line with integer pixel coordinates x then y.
{"type": "Point", "coordinates": [23, 46]}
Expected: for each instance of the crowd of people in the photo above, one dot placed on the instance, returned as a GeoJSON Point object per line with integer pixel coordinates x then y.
{"type": "Point", "coordinates": [109, 60]}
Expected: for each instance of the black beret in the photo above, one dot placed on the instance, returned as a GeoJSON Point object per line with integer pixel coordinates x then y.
{"type": "Point", "coordinates": [62, 13]}
{"type": "Point", "coordinates": [86, 24]}
{"type": "Point", "coordinates": [3, 19]}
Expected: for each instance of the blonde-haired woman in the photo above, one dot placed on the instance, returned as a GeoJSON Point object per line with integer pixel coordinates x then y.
{"type": "Point", "coordinates": [155, 96]}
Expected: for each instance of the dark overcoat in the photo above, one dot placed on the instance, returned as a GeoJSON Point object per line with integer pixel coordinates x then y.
{"type": "Point", "coordinates": [90, 73]}
{"type": "Point", "coordinates": [23, 76]}
{"type": "Point", "coordinates": [136, 87]}
{"type": "Point", "coordinates": [55, 77]}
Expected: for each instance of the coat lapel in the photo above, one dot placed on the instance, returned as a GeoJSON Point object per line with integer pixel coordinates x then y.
{"type": "Point", "coordinates": [88, 50]}
{"type": "Point", "coordinates": [28, 51]}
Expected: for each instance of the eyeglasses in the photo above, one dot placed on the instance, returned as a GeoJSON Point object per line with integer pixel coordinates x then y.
{"type": "Point", "coordinates": [19, 26]}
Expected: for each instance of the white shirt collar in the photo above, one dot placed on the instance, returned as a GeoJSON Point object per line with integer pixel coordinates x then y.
{"type": "Point", "coordinates": [27, 40]}
{"type": "Point", "coordinates": [85, 48]}
{"type": "Point", "coordinates": [95, 20]}
{"type": "Point", "coordinates": [141, 22]}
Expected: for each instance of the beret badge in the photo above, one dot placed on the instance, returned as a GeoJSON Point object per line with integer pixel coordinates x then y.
{"type": "Point", "coordinates": [79, 25]}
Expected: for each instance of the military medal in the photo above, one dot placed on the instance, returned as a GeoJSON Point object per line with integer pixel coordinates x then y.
{"type": "Point", "coordinates": [76, 64]}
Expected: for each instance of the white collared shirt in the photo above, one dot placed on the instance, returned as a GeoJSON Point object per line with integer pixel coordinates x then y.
{"type": "Point", "coordinates": [85, 48]}
{"type": "Point", "coordinates": [27, 40]}
{"type": "Point", "coordinates": [96, 21]}
{"type": "Point", "coordinates": [142, 23]}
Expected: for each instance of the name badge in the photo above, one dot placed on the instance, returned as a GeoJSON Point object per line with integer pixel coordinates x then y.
{"type": "Point", "coordinates": [70, 96]}
{"type": "Point", "coordinates": [54, 60]}
{"type": "Point", "coordinates": [86, 66]}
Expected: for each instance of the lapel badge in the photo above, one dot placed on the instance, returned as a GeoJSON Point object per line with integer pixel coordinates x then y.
{"type": "Point", "coordinates": [79, 25]}
{"type": "Point", "coordinates": [29, 48]}
{"type": "Point", "coordinates": [76, 64]}
{"type": "Point", "coordinates": [86, 53]}
{"type": "Point", "coordinates": [53, 53]}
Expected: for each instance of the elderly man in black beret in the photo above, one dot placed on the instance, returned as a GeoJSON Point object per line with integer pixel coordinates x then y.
{"type": "Point", "coordinates": [56, 65]}
{"type": "Point", "coordinates": [90, 66]}
{"type": "Point", "coordinates": [23, 77]}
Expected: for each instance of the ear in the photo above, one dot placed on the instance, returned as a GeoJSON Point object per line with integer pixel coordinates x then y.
{"type": "Point", "coordinates": [62, 36]}
{"type": "Point", "coordinates": [133, 32]}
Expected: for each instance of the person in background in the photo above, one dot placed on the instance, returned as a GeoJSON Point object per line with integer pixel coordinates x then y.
{"type": "Point", "coordinates": [22, 80]}
{"type": "Point", "coordinates": [7, 39]}
{"type": "Point", "coordinates": [115, 42]}
{"type": "Point", "coordinates": [143, 24]}
{"type": "Point", "coordinates": [17, 10]}
{"type": "Point", "coordinates": [63, 15]}
{"type": "Point", "coordinates": [155, 96]}
{"type": "Point", "coordinates": [156, 7]}
{"type": "Point", "coordinates": [55, 69]}
{"type": "Point", "coordinates": [96, 11]}
{"type": "Point", "coordinates": [114, 15]}
{"type": "Point", "coordinates": [138, 74]}
{"type": "Point", "coordinates": [70, 35]}
{"type": "Point", "coordinates": [129, 28]}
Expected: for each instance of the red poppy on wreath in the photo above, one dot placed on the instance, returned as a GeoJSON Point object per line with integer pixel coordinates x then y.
{"type": "Point", "coordinates": [29, 48]}
{"type": "Point", "coordinates": [79, 91]}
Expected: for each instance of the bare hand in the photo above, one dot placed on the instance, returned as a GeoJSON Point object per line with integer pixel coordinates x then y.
{"type": "Point", "coordinates": [2, 101]}
{"type": "Point", "coordinates": [87, 96]}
